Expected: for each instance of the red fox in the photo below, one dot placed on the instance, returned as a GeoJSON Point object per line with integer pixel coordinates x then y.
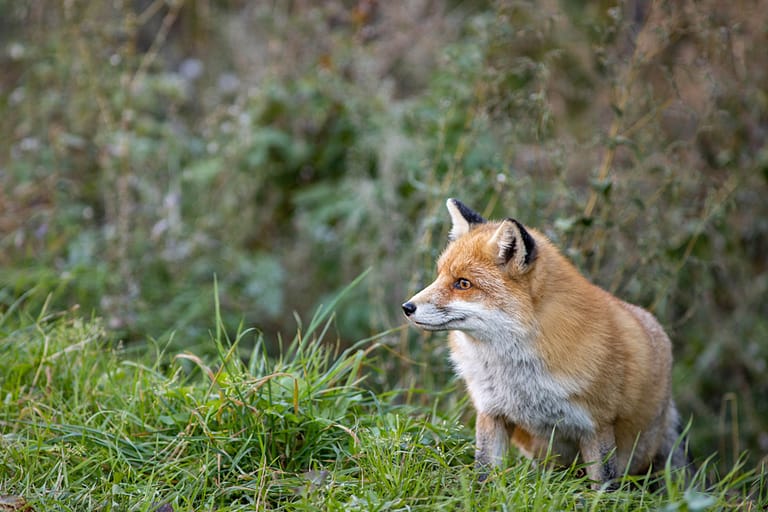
{"type": "Point", "coordinates": [550, 361]}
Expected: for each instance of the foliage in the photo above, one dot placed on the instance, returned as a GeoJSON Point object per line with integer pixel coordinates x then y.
{"type": "Point", "coordinates": [284, 147]}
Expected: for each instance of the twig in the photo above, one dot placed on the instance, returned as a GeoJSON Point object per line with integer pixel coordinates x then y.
{"type": "Point", "coordinates": [623, 97]}
{"type": "Point", "coordinates": [160, 37]}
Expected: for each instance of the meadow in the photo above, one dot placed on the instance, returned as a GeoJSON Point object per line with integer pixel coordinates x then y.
{"type": "Point", "coordinates": [210, 213]}
{"type": "Point", "coordinates": [90, 425]}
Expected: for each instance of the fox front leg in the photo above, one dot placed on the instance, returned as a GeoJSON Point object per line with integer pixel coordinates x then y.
{"type": "Point", "coordinates": [492, 440]}
{"type": "Point", "coordinates": [599, 454]}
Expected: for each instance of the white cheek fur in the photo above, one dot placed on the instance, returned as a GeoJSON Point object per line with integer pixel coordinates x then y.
{"type": "Point", "coordinates": [485, 323]}
{"type": "Point", "coordinates": [471, 317]}
{"type": "Point", "coordinates": [428, 316]}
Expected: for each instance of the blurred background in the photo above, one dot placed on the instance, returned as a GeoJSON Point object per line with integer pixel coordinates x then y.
{"type": "Point", "coordinates": [287, 146]}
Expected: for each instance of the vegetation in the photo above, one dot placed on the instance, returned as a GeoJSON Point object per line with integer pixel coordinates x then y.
{"type": "Point", "coordinates": [154, 150]}
{"type": "Point", "coordinates": [91, 426]}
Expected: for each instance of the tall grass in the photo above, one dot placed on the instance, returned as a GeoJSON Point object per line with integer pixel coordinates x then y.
{"type": "Point", "coordinates": [90, 425]}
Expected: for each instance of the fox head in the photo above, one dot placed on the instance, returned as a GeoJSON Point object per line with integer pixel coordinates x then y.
{"type": "Point", "coordinates": [484, 278]}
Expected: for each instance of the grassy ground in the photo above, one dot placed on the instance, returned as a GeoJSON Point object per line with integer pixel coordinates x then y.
{"type": "Point", "coordinates": [89, 425]}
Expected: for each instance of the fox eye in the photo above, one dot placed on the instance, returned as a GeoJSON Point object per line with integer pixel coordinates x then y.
{"type": "Point", "coordinates": [462, 284]}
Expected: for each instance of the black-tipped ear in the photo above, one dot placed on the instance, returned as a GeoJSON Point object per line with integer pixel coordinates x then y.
{"type": "Point", "coordinates": [462, 217]}
{"type": "Point", "coordinates": [513, 243]}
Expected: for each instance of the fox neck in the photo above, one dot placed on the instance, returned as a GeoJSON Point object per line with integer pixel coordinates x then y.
{"type": "Point", "coordinates": [554, 280]}
{"type": "Point", "coordinates": [568, 312]}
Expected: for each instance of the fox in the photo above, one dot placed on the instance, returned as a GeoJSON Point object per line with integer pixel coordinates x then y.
{"type": "Point", "coordinates": [553, 364]}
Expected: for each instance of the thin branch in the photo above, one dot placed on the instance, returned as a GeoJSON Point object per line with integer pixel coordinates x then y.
{"type": "Point", "coordinates": [157, 43]}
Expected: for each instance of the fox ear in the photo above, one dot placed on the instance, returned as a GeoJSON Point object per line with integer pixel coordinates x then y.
{"type": "Point", "coordinates": [513, 244]}
{"type": "Point", "coordinates": [462, 217]}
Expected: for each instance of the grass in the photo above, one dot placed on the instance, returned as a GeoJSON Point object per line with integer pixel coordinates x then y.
{"type": "Point", "coordinates": [88, 424]}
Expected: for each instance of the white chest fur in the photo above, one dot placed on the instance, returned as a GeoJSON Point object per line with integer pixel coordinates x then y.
{"type": "Point", "coordinates": [505, 377]}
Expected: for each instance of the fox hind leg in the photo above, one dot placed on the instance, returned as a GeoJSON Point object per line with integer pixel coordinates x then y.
{"type": "Point", "coordinates": [674, 445]}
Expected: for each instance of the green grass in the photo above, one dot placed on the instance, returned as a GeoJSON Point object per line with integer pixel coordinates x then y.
{"type": "Point", "coordinates": [90, 425]}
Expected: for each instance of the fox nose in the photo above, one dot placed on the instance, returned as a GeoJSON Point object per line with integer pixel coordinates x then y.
{"type": "Point", "coordinates": [409, 308]}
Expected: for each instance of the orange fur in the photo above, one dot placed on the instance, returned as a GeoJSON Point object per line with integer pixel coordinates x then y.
{"type": "Point", "coordinates": [606, 364]}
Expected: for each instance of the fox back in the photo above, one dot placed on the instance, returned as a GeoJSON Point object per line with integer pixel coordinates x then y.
{"type": "Point", "coordinates": [546, 355]}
